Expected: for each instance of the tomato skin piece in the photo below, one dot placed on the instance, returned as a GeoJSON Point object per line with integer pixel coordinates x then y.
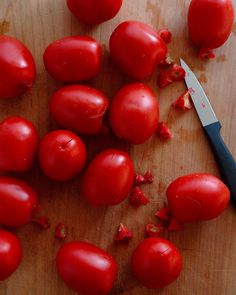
{"type": "Point", "coordinates": [73, 59]}
{"type": "Point", "coordinates": [86, 268]}
{"type": "Point", "coordinates": [10, 254]}
{"type": "Point", "coordinates": [134, 113]}
{"type": "Point", "coordinates": [62, 155]}
{"type": "Point", "coordinates": [18, 145]}
{"type": "Point", "coordinates": [197, 197]}
{"type": "Point", "coordinates": [137, 49]}
{"type": "Point", "coordinates": [17, 68]}
{"type": "Point", "coordinates": [108, 178]}
{"type": "Point", "coordinates": [94, 12]}
{"type": "Point", "coordinates": [79, 108]}
{"type": "Point", "coordinates": [156, 263]}
{"type": "Point", "coordinates": [17, 201]}
{"type": "Point", "coordinates": [210, 22]}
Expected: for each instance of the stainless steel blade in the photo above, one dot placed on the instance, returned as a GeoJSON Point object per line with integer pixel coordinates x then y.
{"type": "Point", "coordinates": [200, 100]}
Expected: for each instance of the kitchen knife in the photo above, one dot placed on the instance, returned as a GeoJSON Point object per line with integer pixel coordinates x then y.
{"type": "Point", "coordinates": [212, 126]}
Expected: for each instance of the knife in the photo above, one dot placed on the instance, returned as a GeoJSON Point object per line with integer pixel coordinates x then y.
{"type": "Point", "coordinates": [212, 127]}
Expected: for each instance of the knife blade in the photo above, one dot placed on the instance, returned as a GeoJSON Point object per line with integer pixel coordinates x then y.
{"type": "Point", "coordinates": [212, 127]}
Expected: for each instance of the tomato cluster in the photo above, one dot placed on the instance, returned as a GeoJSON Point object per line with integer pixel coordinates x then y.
{"type": "Point", "coordinates": [133, 115]}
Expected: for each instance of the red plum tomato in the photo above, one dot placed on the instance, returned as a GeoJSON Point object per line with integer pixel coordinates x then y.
{"type": "Point", "coordinates": [18, 144]}
{"type": "Point", "coordinates": [86, 268]}
{"type": "Point", "coordinates": [80, 108]}
{"type": "Point", "coordinates": [17, 202]}
{"type": "Point", "coordinates": [17, 68]}
{"type": "Point", "coordinates": [197, 197]}
{"type": "Point", "coordinates": [210, 22]}
{"type": "Point", "coordinates": [94, 12]}
{"type": "Point", "coordinates": [134, 113]}
{"type": "Point", "coordinates": [137, 49]}
{"type": "Point", "coordinates": [10, 254]}
{"type": "Point", "coordinates": [73, 59]}
{"type": "Point", "coordinates": [156, 263]}
{"type": "Point", "coordinates": [108, 178]}
{"type": "Point", "coordinates": [62, 155]}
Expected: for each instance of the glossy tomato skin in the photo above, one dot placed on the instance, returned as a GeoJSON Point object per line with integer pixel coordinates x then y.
{"type": "Point", "coordinates": [73, 59]}
{"type": "Point", "coordinates": [210, 22]}
{"type": "Point", "coordinates": [18, 145]}
{"type": "Point", "coordinates": [137, 49]}
{"type": "Point", "coordinates": [156, 263]}
{"type": "Point", "coordinates": [108, 178]}
{"type": "Point", "coordinates": [17, 68]}
{"type": "Point", "coordinates": [62, 155]}
{"type": "Point", "coordinates": [86, 268]}
{"type": "Point", "coordinates": [197, 197]}
{"type": "Point", "coordinates": [134, 113]}
{"type": "Point", "coordinates": [79, 108]}
{"type": "Point", "coordinates": [10, 254]}
{"type": "Point", "coordinates": [17, 201]}
{"type": "Point", "coordinates": [94, 12]}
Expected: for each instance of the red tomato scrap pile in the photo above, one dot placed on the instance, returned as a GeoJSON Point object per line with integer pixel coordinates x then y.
{"type": "Point", "coordinates": [133, 115]}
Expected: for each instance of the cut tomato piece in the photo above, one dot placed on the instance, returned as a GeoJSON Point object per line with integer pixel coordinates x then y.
{"type": "Point", "coordinates": [167, 61]}
{"type": "Point", "coordinates": [165, 35]}
{"type": "Point", "coordinates": [123, 234]}
{"type": "Point", "coordinates": [61, 231]}
{"type": "Point", "coordinates": [164, 214]}
{"type": "Point", "coordinates": [138, 198]}
{"type": "Point", "coordinates": [206, 53]}
{"type": "Point", "coordinates": [175, 225]}
{"type": "Point", "coordinates": [142, 179]}
{"type": "Point", "coordinates": [174, 73]}
{"type": "Point", "coordinates": [154, 230]}
{"type": "Point", "coordinates": [163, 131]}
{"type": "Point", "coordinates": [184, 102]}
{"type": "Point", "coordinates": [149, 177]}
{"type": "Point", "coordinates": [42, 221]}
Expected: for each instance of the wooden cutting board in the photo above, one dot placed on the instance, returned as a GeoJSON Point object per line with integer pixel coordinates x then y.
{"type": "Point", "coordinates": [209, 249]}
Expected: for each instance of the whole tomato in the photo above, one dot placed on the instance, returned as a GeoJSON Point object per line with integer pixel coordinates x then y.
{"type": "Point", "coordinates": [94, 11]}
{"type": "Point", "coordinates": [137, 49]}
{"type": "Point", "coordinates": [80, 108]}
{"type": "Point", "coordinates": [210, 22]}
{"type": "Point", "coordinates": [134, 113]}
{"type": "Point", "coordinates": [10, 254]}
{"type": "Point", "coordinates": [17, 68]}
{"type": "Point", "coordinates": [18, 144]}
{"type": "Point", "coordinates": [156, 263]}
{"type": "Point", "coordinates": [108, 178]}
{"type": "Point", "coordinates": [62, 155]}
{"type": "Point", "coordinates": [197, 197]}
{"type": "Point", "coordinates": [17, 201]}
{"type": "Point", "coordinates": [73, 59]}
{"type": "Point", "coordinates": [86, 268]}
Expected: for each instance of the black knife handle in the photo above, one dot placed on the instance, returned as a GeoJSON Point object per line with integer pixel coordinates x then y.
{"type": "Point", "coordinates": [225, 160]}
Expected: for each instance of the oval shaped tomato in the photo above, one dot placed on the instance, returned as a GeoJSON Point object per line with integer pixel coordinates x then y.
{"type": "Point", "coordinates": [62, 155]}
{"type": "Point", "coordinates": [73, 59]}
{"type": "Point", "coordinates": [80, 108]}
{"type": "Point", "coordinates": [94, 11]}
{"type": "Point", "coordinates": [10, 254]}
{"type": "Point", "coordinates": [18, 144]}
{"type": "Point", "coordinates": [197, 197]}
{"type": "Point", "coordinates": [134, 113]}
{"type": "Point", "coordinates": [156, 263]}
{"type": "Point", "coordinates": [17, 201]}
{"type": "Point", "coordinates": [108, 178]}
{"type": "Point", "coordinates": [137, 49]}
{"type": "Point", "coordinates": [17, 68]}
{"type": "Point", "coordinates": [210, 22]}
{"type": "Point", "coordinates": [86, 268]}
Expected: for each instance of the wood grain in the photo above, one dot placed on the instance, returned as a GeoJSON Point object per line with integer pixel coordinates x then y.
{"type": "Point", "coordinates": [209, 249]}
